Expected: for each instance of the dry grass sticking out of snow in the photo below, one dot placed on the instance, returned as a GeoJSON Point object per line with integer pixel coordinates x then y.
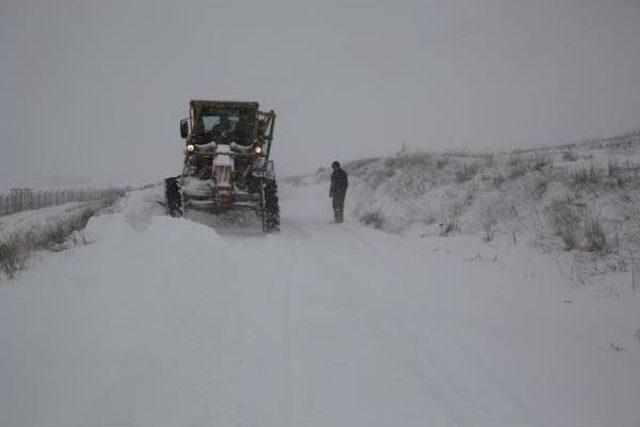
{"type": "Point", "coordinates": [54, 229]}
{"type": "Point", "coordinates": [578, 200]}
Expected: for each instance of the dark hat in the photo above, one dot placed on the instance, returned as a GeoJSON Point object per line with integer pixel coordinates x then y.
{"type": "Point", "coordinates": [335, 165]}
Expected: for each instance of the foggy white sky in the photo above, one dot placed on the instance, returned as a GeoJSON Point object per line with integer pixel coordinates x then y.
{"type": "Point", "coordinates": [92, 91]}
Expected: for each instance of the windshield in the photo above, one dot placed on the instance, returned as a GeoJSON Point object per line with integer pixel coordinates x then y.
{"type": "Point", "coordinates": [224, 126]}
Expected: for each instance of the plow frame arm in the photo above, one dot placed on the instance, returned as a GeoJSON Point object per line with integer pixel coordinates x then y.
{"type": "Point", "coordinates": [266, 122]}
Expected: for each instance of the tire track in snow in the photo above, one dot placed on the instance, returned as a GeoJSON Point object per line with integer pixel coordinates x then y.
{"type": "Point", "coordinates": [458, 346]}
{"type": "Point", "coordinates": [433, 378]}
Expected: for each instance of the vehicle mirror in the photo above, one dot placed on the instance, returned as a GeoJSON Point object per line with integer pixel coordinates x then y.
{"type": "Point", "coordinates": [184, 128]}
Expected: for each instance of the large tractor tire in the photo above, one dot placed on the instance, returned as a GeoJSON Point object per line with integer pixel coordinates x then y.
{"type": "Point", "coordinates": [270, 207]}
{"type": "Point", "coordinates": [172, 197]}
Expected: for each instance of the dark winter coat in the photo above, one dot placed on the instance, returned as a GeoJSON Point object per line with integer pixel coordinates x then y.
{"type": "Point", "coordinates": [339, 183]}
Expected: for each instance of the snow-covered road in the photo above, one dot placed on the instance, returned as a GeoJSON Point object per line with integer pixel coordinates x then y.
{"type": "Point", "coordinates": [164, 322]}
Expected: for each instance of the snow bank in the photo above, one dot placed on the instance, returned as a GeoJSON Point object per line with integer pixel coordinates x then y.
{"type": "Point", "coordinates": [55, 228]}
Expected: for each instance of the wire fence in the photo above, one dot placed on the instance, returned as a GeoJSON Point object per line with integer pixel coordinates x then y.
{"type": "Point", "coordinates": [22, 199]}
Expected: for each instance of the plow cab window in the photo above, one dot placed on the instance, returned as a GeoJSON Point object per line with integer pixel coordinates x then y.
{"type": "Point", "coordinates": [225, 127]}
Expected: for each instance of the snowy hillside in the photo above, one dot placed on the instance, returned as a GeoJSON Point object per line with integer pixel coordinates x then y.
{"type": "Point", "coordinates": [580, 202]}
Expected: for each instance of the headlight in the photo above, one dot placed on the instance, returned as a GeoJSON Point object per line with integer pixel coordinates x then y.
{"type": "Point", "coordinates": [258, 149]}
{"type": "Point", "coordinates": [190, 148]}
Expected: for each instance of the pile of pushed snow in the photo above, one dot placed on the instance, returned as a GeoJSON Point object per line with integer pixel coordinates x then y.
{"type": "Point", "coordinates": [580, 198]}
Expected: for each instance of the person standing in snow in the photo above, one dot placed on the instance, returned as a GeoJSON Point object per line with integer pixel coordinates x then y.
{"type": "Point", "coordinates": [338, 191]}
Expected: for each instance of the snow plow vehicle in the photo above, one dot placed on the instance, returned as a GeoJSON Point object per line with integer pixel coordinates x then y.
{"type": "Point", "coordinates": [226, 162]}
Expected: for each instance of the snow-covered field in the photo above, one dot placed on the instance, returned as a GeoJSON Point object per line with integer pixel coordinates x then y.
{"type": "Point", "coordinates": [165, 322]}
